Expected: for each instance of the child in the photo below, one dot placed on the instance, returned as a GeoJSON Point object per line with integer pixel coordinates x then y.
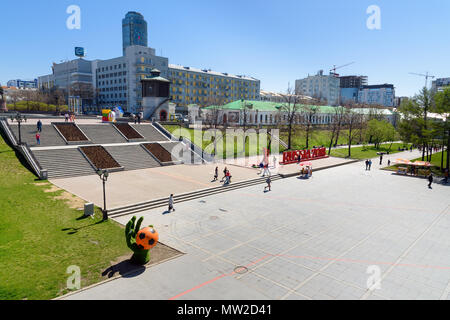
{"type": "Point", "coordinates": [268, 181]}
{"type": "Point", "coordinates": [38, 138]}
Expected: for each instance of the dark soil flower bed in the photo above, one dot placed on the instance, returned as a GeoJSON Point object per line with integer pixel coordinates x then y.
{"type": "Point", "coordinates": [100, 157]}
{"type": "Point", "coordinates": [71, 132]}
{"type": "Point", "coordinates": [128, 131]}
{"type": "Point", "coordinates": [159, 152]}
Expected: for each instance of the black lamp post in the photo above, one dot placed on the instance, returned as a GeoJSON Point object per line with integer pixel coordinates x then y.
{"type": "Point", "coordinates": [103, 174]}
{"type": "Point", "coordinates": [19, 118]}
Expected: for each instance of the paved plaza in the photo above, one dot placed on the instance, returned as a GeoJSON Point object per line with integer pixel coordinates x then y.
{"type": "Point", "coordinates": [323, 238]}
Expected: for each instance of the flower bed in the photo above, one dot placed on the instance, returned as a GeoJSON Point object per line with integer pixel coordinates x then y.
{"type": "Point", "coordinates": [71, 132]}
{"type": "Point", "coordinates": [128, 131]}
{"type": "Point", "coordinates": [100, 158]}
{"type": "Point", "coordinates": [159, 152]}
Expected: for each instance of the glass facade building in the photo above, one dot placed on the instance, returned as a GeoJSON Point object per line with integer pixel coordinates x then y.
{"type": "Point", "coordinates": [134, 30]}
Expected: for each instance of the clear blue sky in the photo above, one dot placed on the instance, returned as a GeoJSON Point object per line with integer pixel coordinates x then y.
{"type": "Point", "coordinates": [274, 41]}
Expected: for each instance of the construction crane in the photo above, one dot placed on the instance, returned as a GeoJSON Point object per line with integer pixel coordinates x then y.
{"type": "Point", "coordinates": [335, 68]}
{"type": "Point", "coordinates": [424, 75]}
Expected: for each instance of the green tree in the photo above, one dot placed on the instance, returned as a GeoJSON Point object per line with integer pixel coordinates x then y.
{"type": "Point", "coordinates": [415, 126]}
{"type": "Point", "coordinates": [442, 106]}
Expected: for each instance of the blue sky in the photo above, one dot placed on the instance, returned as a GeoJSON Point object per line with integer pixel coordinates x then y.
{"type": "Point", "coordinates": [274, 41]}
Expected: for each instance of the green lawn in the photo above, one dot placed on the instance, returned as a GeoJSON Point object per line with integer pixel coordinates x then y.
{"type": "Point", "coordinates": [367, 152]}
{"type": "Point", "coordinates": [40, 236]}
{"type": "Point", "coordinates": [174, 129]}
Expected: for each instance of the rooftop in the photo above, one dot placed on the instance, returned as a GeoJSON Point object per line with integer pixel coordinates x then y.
{"type": "Point", "coordinates": [211, 72]}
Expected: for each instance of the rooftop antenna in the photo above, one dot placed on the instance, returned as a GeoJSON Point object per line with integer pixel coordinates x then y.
{"type": "Point", "coordinates": [424, 75]}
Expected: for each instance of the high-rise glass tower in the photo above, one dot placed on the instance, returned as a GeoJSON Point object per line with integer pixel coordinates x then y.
{"type": "Point", "coordinates": [134, 30]}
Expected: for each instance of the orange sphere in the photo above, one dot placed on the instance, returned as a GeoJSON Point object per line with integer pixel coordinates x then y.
{"type": "Point", "coordinates": [147, 238]}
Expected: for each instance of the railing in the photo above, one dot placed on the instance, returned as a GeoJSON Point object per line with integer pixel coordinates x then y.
{"type": "Point", "coordinates": [7, 130]}
{"type": "Point", "coordinates": [199, 151]}
{"type": "Point", "coordinates": [24, 149]}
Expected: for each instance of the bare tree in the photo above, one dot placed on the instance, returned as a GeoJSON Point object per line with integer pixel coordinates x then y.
{"type": "Point", "coordinates": [309, 120]}
{"type": "Point", "coordinates": [352, 121]}
{"type": "Point", "coordinates": [291, 105]}
{"type": "Point", "coordinates": [335, 126]}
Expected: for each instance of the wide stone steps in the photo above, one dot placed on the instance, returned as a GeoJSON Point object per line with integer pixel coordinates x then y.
{"type": "Point", "coordinates": [49, 136]}
{"type": "Point", "coordinates": [149, 132]}
{"type": "Point", "coordinates": [162, 202]}
{"type": "Point", "coordinates": [132, 157]}
{"type": "Point", "coordinates": [63, 163]}
{"type": "Point", "coordinates": [102, 133]}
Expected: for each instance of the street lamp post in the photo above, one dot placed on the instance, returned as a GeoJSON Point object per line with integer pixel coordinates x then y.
{"type": "Point", "coordinates": [19, 118]}
{"type": "Point", "coordinates": [103, 174]}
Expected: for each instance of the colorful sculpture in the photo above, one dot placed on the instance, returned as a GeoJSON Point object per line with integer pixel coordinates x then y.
{"type": "Point", "coordinates": [140, 241]}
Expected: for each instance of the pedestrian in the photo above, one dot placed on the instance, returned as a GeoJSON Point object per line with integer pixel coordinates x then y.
{"type": "Point", "coordinates": [446, 176]}
{"type": "Point", "coordinates": [430, 180]}
{"type": "Point", "coordinates": [171, 204]}
{"type": "Point", "coordinates": [370, 164]}
{"type": "Point", "coordinates": [268, 181]}
{"type": "Point", "coordinates": [228, 177]}
{"type": "Point", "coordinates": [135, 118]}
{"type": "Point", "coordinates": [38, 138]}
{"type": "Point", "coordinates": [224, 174]}
{"type": "Point", "coordinates": [266, 170]}
{"type": "Point", "coordinates": [261, 167]}
{"type": "Point", "coordinates": [139, 118]}
{"type": "Point", "coordinates": [410, 149]}
{"type": "Point", "coordinates": [66, 116]}
{"type": "Point", "coordinates": [389, 163]}
{"type": "Point", "coordinates": [381, 159]}
{"type": "Point", "coordinates": [39, 126]}
{"type": "Point", "coordinates": [216, 173]}
{"type": "Point", "coordinates": [367, 164]}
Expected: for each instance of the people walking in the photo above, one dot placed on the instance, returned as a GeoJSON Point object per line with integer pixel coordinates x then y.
{"type": "Point", "coordinates": [171, 204]}
{"type": "Point", "coordinates": [268, 181]}
{"type": "Point", "coordinates": [367, 164]}
{"type": "Point", "coordinates": [38, 138]}
{"type": "Point", "coordinates": [66, 116]}
{"type": "Point", "coordinates": [216, 174]}
{"type": "Point", "coordinates": [39, 126]}
{"type": "Point", "coordinates": [430, 180]}
{"type": "Point", "coordinates": [381, 160]}
{"type": "Point", "coordinates": [228, 177]}
{"type": "Point", "coordinates": [224, 174]}
{"type": "Point", "coordinates": [266, 170]}
{"type": "Point", "coordinates": [370, 164]}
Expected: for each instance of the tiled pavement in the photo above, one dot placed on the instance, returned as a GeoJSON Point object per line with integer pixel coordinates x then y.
{"type": "Point", "coordinates": [316, 239]}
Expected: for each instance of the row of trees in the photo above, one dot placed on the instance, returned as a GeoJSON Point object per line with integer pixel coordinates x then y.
{"type": "Point", "coordinates": [418, 127]}
{"type": "Point", "coordinates": [357, 127]}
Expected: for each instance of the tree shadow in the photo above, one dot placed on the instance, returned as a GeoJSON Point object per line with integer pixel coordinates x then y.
{"type": "Point", "coordinates": [126, 269]}
{"type": "Point", "coordinates": [75, 230]}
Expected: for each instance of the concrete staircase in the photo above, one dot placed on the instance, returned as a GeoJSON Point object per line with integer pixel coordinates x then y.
{"type": "Point", "coordinates": [63, 163]}
{"type": "Point", "coordinates": [149, 132]}
{"type": "Point", "coordinates": [102, 133]}
{"type": "Point", "coordinates": [132, 157]}
{"type": "Point", "coordinates": [49, 136]}
{"type": "Point", "coordinates": [163, 202]}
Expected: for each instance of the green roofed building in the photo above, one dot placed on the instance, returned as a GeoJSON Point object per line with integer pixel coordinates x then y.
{"type": "Point", "coordinates": [272, 113]}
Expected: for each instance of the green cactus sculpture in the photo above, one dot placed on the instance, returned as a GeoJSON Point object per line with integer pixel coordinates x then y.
{"type": "Point", "coordinates": [140, 241]}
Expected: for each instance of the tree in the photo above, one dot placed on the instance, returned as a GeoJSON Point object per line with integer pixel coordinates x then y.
{"type": "Point", "coordinates": [415, 126]}
{"type": "Point", "coordinates": [308, 124]}
{"type": "Point", "coordinates": [442, 106]}
{"type": "Point", "coordinates": [335, 125]}
{"type": "Point", "coordinates": [290, 106]}
{"type": "Point", "coordinates": [351, 120]}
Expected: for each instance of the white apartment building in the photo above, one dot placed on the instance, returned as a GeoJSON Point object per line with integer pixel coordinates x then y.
{"type": "Point", "coordinates": [320, 86]}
